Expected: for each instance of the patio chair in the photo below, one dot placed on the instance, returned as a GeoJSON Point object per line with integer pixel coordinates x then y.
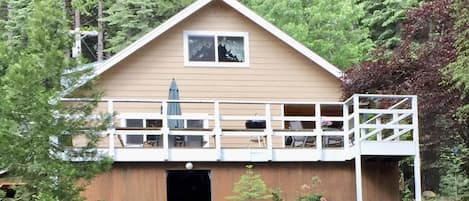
{"type": "Point", "coordinates": [297, 141]}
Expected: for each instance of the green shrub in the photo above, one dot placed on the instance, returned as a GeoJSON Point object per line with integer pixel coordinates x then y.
{"type": "Point", "coordinates": [309, 192]}
{"type": "Point", "coordinates": [313, 197]}
{"type": "Point", "coordinates": [250, 187]}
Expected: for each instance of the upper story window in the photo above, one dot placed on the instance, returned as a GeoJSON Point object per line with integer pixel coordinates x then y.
{"type": "Point", "coordinates": [216, 49]}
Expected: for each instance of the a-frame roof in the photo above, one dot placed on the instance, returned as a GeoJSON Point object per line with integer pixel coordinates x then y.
{"type": "Point", "coordinates": [194, 7]}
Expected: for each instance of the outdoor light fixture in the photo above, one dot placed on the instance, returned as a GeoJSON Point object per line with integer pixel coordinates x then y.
{"type": "Point", "coordinates": [189, 166]}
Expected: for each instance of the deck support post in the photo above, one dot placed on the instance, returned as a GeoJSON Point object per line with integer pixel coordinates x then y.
{"type": "Point", "coordinates": [358, 177]}
{"type": "Point", "coordinates": [358, 158]}
{"type": "Point", "coordinates": [268, 131]}
{"type": "Point", "coordinates": [111, 129]}
{"type": "Point", "coordinates": [217, 129]}
{"type": "Point", "coordinates": [165, 130]}
{"type": "Point", "coordinates": [415, 138]}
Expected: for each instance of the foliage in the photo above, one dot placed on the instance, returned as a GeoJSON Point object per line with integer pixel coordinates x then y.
{"type": "Point", "coordinates": [309, 192]}
{"type": "Point", "coordinates": [31, 116]}
{"type": "Point", "coordinates": [329, 28]}
{"type": "Point", "coordinates": [458, 70]}
{"type": "Point", "coordinates": [427, 46]}
{"type": "Point", "coordinates": [250, 187]}
{"type": "Point", "coordinates": [277, 195]}
{"type": "Point", "coordinates": [454, 182]}
{"type": "Point", "coordinates": [12, 21]}
{"type": "Point", "coordinates": [128, 20]}
{"type": "Point", "coordinates": [314, 197]}
{"type": "Point", "coordinates": [383, 18]}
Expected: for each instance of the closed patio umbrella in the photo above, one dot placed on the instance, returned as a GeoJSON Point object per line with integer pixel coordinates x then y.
{"type": "Point", "coordinates": [174, 108]}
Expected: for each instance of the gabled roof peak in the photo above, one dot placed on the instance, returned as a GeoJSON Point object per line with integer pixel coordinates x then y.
{"type": "Point", "coordinates": [194, 7]}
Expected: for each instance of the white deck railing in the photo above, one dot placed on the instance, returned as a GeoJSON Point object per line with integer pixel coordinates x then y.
{"type": "Point", "coordinates": [379, 125]}
{"type": "Point", "coordinates": [363, 125]}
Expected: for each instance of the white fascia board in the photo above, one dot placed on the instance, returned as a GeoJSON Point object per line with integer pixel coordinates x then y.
{"type": "Point", "coordinates": [284, 37]}
{"type": "Point", "coordinates": [151, 35]}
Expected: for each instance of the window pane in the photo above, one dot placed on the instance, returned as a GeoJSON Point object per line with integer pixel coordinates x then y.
{"type": "Point", "coordinates": [191, 123]}
{"type": "Point", "coordinates": [136, 123]}
{"type": "Point", "coordinates": [201, 48]}
{"type": "Point", "coordinates": [231, 48]}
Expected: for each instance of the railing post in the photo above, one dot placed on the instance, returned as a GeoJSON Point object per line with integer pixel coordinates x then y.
{"type": "Point", "coordinates": [358, 158]}
{"type": "Point", "coordinates": [165, 129]}
{"type": "Point", "coordinates": [317, 114]}
{"type": "Point", "coordinates": [217, 129]}
{"type": "Point", "coordinates": [268, 130]}
{"type": "Point", "coordinates": [345, 115]}
{"type": "Point", "coordinates": [395, 130]}
{"type": "Point", "coordinates": [111, 129]}
{"type": "Point", "coordinates": [282, 115]}
{"type": "Point", "coordinates": [415, 137]}
{"type": "Point", "coordinates": [379, 135]}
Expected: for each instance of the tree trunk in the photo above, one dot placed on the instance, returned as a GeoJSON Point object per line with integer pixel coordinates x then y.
{"type": "Point", "coordinates": [77, 46]}
{"type": "Point", "coordinates": [100, 31]}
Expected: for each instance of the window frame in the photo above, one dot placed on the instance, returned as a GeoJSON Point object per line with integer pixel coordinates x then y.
{"type": "Point", "coordinates": [216, 63]}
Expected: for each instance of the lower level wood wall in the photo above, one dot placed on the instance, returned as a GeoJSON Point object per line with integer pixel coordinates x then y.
{"type": "Point", "coordinates": [147, 181]}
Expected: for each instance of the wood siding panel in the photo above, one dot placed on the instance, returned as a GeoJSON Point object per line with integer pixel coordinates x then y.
{"type": "Point", "coordinates": [147, 181]}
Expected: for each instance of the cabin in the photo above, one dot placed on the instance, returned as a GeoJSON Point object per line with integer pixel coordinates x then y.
{"type": "Point", "coordinates": [217, 87]}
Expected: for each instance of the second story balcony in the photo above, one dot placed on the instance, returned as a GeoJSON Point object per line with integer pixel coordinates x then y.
{"type": "Point", "coordinates": [221, 130]}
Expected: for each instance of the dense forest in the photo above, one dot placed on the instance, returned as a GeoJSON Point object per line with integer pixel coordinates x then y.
{"type": "Point", "coordinates": [387, 46]}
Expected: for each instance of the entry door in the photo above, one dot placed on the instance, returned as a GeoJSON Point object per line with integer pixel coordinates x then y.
{"type": "Point", "coordinates": [188, 185]}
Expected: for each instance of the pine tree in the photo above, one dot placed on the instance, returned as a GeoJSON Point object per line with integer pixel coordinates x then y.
{"type": "Point", "coordinates": [383, 18]}
{"type": "Point", "coordinates": [32, 66]}
{"type": "Point", "coordinates": [250, 187]}
{"type": "Point", "coordinates": [331, 28]}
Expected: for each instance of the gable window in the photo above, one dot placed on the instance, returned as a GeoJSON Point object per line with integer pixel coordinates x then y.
{"type": "Point", "coordinates": [216, 49]}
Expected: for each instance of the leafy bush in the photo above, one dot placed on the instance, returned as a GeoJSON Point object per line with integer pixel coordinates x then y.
{"type": "Point", "coordinates": [313, 197]}
{"type": "Point", "coordinates": [309, 191]}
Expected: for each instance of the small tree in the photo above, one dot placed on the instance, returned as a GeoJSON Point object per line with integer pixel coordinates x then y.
{"type": "Point", "coordinates": [250, 187]}
{"type": "Point", "coordinates": [454, 182]}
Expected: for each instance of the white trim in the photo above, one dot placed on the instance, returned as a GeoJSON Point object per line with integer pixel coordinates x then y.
{"type": "Point", "coordinates": [185, 13]}
{"type": "Point", "coordinates": [215, 63]}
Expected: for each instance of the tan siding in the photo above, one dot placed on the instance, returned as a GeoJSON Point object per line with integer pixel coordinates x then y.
{"type": "Point", "coordinates": [276, 71]}
{"type": "Point", "coordinates": [147, 181]}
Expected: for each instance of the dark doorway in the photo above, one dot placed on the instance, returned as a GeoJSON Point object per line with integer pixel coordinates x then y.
{"type": "Point", "coordinates": [188, 185]}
